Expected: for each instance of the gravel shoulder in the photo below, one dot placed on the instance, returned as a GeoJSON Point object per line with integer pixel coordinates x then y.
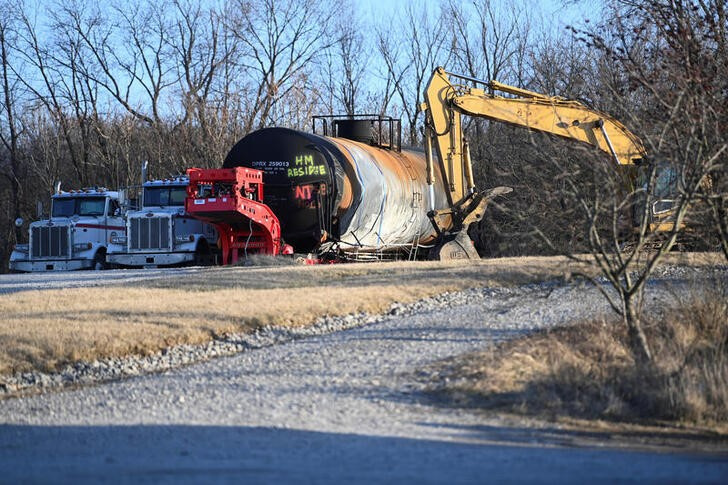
{"type": "Point", "coordinates": [347, 405]}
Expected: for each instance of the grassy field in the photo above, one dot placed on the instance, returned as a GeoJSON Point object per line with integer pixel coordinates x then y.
{"type": "Point", "coordinates": [45, 330]}
{"type": "Point", "coordinates": [48, 329]}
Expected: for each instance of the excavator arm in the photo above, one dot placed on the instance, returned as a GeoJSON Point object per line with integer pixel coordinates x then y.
{"type": "Point", "coordinates": [445, 103]}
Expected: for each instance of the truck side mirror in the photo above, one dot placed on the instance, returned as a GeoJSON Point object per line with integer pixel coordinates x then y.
{"type": "Point", "coordinates": [39, 210]}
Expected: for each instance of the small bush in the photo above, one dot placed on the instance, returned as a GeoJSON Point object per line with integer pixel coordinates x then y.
{"type": "Point", "coordinates": [587, 371]}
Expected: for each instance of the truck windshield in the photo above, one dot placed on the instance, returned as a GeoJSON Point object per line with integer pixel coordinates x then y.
{"type": "Point", "coordinates": [164, 196]}
{"type": "Point", "coordinates": [78, 206]}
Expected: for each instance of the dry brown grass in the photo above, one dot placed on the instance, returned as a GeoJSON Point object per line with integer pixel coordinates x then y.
{"type": "Point", "coordinates": [586, 371]}
{"type": "Point", "coordinates": [48, 329]}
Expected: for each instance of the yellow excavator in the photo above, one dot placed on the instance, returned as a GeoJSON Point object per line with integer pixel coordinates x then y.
{"type": "Point", "coordinates": [446, 102]}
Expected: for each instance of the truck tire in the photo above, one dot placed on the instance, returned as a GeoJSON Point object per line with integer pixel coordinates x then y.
{"type": "Point", "coordinates": [203, 256]}
{"type": "Point", "coordinates": [99, 262]}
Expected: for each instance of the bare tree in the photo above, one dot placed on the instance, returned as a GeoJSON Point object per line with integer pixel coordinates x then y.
{"type": "Point", "coordinates": [353, 62]}
{"type": "Point", "coordinates": [717, 201]}
{"type": "Point", "coordinates": [126, 56]}
{"type": "Point", "coordinates": [10, 132]}
{"type": "Point", "coordinates": [198, 45]}
{"type": "Point", "coordinates": [390, 49]}
{"type": "Point", "coordinates": [710, 49]}
{"type": "Point", "coordinates": [45, 150]}
{"type": "Point", "coordinates": [279, 42]}
{"type": "Point", "coordinates": [668, 93]}
{"type": "Point", "coordinates": [68, 97]}
{"type": "Point", "coordinates": [411, 57]}
{"type": "Point", "coordinates": [562, 66]}
{"type": "Point", "coordinates": [346, 64]}
{"type": "Point", "coordinates": [489, 40]}
{"type": "Point", "coordinates": [494, 40]}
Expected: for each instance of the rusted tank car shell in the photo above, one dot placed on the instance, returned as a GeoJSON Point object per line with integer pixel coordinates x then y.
{"type": "Point", "coordinates": [321, 188]}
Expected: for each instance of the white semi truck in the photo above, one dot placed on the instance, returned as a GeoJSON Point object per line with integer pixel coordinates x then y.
{"type": "Point", "coordinates": [161, 233]}
{"type": "Point", "coordinates": [83, 226]}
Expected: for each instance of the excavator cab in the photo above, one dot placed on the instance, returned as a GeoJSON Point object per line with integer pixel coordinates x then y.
{"type": "Point", "coordinates": [664, 193]}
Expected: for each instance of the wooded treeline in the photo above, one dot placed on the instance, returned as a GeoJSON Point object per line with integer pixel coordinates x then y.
{"type": "Point", "coordinates": [88, 90]}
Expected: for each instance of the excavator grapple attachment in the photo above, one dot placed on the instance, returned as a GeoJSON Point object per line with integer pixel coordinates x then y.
{"type": "Point", "coordinates": [454, 246]}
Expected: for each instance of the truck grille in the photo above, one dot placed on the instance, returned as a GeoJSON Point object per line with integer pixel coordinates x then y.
{"type": "Point", "coordinates": [147, 233]}
{"type": "Point", "coordinates": [49, 242]}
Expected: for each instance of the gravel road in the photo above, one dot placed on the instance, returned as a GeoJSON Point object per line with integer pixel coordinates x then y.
{"type": "Point", "coordinates": [12, 283]}
{"type": "Point", "coordinates": [334, 407]}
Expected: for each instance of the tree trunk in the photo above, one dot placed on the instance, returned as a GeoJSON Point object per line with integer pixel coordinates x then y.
{"type": "Point", "coordinates": [16, 208]}
{"type": "Point", "coordinates": [720, 217]}
{"type": "Point", "coordinates": [637, 338]}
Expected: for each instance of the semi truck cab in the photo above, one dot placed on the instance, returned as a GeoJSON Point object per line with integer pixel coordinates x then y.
{"type": "Point", "coordinates": [83, 225]}
{"type": "Point", "coordinates": [161, 233]}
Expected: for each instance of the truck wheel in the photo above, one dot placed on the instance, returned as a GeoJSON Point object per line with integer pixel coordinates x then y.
{"type": "Point", "coordinates": [203, 257]}
{"type": "Point", "coordinates": [99, 261]}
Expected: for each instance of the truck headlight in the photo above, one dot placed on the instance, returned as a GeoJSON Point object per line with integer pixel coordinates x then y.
{"type": "Point", "coordinates": [82, 246]}
{"type": "Point", "coordinates": [184, 239]}
{"type": "Point", "coordinates": [118, 239]}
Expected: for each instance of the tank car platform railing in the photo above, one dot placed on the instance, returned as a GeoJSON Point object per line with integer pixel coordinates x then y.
{"type": "Point", "coordinates": [383, 131]}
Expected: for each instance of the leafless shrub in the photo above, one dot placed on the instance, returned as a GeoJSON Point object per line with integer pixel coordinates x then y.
{"type": "Point", "coordinates": [588, 371]}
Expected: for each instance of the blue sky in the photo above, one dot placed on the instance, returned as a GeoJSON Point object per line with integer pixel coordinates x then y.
{"type": "Point", "coordinates": [558, 13]}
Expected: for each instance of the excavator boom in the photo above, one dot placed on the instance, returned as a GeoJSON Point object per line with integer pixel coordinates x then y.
{"type": "Point", "coordinates": [567, 119]}
{"type": "Point", "coordinates": [446, 102]}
